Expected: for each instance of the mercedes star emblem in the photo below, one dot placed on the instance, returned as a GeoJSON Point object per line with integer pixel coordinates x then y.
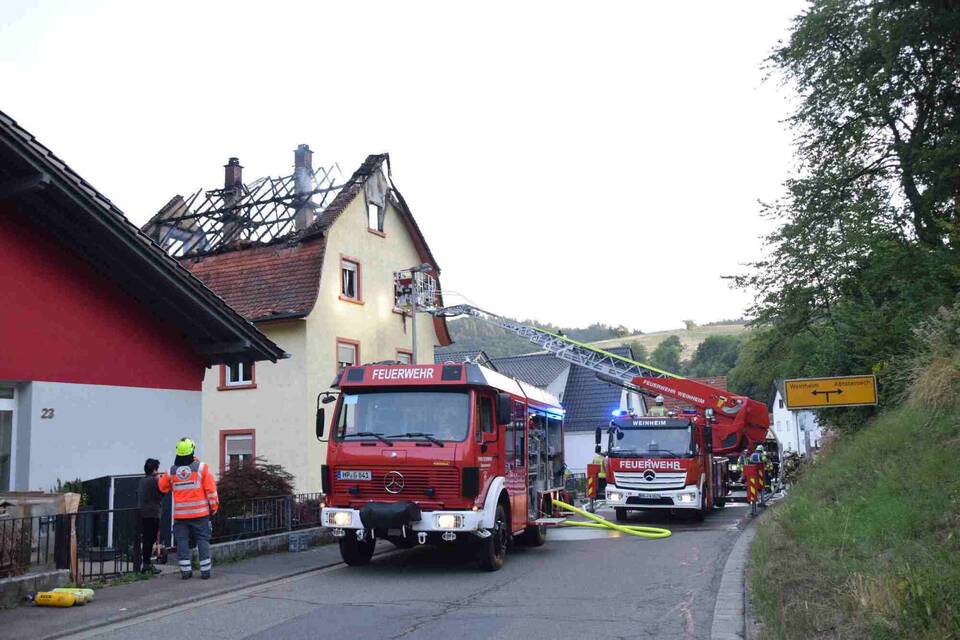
{"type": "Point", "coordinates": [649, 475]}
{"type": "Point", "coordinates": [393, 482]}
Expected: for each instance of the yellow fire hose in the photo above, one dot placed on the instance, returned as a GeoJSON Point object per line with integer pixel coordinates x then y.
{"type": "Point", "coordinates": [602, 523]}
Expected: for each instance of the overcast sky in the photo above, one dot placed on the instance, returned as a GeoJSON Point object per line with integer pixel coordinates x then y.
{"type": "Point", "coordinates": [571, 162]}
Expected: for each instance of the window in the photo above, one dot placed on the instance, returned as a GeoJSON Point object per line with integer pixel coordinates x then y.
{"type": "Point", "coordinates": [375, 217]}
{"type": "Point", "coordinates": [404, 356]}
{"type": "Point", "coordinates": [350, 285]}
{"type": "Point", "coordinates": [348, 353]}
{"type": "Point", "coordinates": [237, 447]}
{"type": "Point", "coordinates": [484, 417]}
{"type": "Point", "coordinates": [237, 375]}
{"type": "Point", "coordinates": [442, 415]}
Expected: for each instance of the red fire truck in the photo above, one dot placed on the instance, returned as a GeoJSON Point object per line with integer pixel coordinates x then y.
{"type": "Point", "coordinates": [663, 463]}
{"type": "Point", "coordinates": [719, 426]}
{"type": "Point", "coordinates": [438, 454]}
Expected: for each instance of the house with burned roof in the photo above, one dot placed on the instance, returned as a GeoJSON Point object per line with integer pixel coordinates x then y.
{"type": "Point", "coordinates": [309, 259]}
{"type": "Point", "coordinates": [588, 401]}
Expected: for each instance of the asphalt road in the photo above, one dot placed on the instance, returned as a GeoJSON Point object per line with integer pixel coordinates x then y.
{"type": "Point", "coordinates": [580, 584]}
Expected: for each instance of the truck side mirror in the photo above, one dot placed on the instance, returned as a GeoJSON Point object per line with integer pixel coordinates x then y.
{"type": "Point", "coordinates": [504, 402]}
{"type": "Point", "coordinates": [323, 398]}
{"type": "Point", "coordinates": [320, 423]}
{"type": "Point", "coordinates": [708, 437]}
{"type": "Point", "coordinates": [596, 439]}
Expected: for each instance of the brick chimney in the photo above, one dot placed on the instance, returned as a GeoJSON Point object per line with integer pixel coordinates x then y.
{"type": "Point", "coordinates": [232, 174]}
{"type": "Point", "coordinates": [303, 184]}
{"type": "Point", "coordinates": [232, 192]}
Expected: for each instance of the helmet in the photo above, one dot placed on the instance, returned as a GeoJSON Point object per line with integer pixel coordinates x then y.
{"type": "Point", "coordinates": [658, 400]}
{"type": "Point", "coordinates": [759, 447]}
{"type": "Point", "coordinates": [186, 447]}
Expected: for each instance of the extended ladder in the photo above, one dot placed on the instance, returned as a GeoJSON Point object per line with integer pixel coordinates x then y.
{"type": "Point", "coordinates": [602, 362]}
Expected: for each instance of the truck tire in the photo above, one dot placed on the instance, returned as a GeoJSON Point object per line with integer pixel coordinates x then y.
{"type": "Point", "coordinates": [492, 551]}
{"type": "Point", "coordinates": [720, 503]}
{"type": "Point", "coordinates": [354, 552]}
{"type": "Point", "coordinates": [620, 513]}
{"type": "Point", "coordinates": [534, 536]}
{"type": "Point", "coordinates": [701, 512]}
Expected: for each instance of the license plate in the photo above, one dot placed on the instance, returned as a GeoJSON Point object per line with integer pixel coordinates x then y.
{"type": "Point", "coordinates": [354, 475]}
{"type": "Point", "coordinates": [647, 494]}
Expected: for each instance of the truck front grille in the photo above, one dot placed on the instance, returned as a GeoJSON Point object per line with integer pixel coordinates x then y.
{"type": "Point", "coordinates": [417, 484]}
{"type": "Point", "coordinates": [659, 481]}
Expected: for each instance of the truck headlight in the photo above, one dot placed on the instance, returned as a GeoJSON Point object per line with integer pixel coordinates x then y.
{"type": "Point", "coordinates": [449, 521]}
{"type": "Point", "coordinates": [687, 498]}
{"type": "Point", "coordinates": [339, 518]}
{"type": "Point", "coordinates": [614, 496]}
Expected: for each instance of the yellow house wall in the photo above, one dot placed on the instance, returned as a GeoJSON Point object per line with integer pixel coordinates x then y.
{"type": "Point", "coordinates": [282, 408]}
{"type": "Point", "coordinates": [275, 408]}
{"type": "Point", "coordinates": [379, 330]}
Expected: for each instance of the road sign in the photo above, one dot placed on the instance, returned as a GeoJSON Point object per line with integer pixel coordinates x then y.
{"type": "Point", "coordinates": [822, 393]}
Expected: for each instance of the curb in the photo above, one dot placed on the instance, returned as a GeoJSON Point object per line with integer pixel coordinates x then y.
{"type": "Point", "coordinates": [729, 614]}
{"type": "Point", "coordinates": [171, 604]}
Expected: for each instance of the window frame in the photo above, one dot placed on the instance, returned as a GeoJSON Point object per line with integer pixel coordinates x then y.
{"type": "Point", "coordinates": [379, 230]}
{"type": "Point", "coordinates": [359, 284]}
{"type": "Point", "coordinates": [226, 385]}
{"type": "Point", "coordinates": [405, 352]}
{"type": "Point", "coordinates": [236, 432]}
{"type": "Point", "coordinates": [336, 352]}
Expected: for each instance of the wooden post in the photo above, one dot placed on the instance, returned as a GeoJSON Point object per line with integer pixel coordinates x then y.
{"type": "Point", "coordinates": [71, 505]}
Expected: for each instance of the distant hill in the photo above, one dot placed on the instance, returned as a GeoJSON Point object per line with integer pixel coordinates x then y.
{"type": "Point", "coordinates": [689, 338]}
{"type": "Point", "coordinates": [470, 334]}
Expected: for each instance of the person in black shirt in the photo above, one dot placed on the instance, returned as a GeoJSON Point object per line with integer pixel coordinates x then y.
{"type": "Point", "coordinates": [148, 499]}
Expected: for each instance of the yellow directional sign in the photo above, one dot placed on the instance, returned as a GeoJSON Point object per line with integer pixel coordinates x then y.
{"type": "Point", "coordinates": [822, 393]}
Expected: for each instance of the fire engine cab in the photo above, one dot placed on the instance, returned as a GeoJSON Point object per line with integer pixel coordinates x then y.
{"type": "Point", "coordinates": [663, 463]}
{"type": "Point", "coordinates": [437, 454]}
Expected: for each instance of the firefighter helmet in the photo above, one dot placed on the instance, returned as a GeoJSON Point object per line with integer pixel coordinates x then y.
{"type": "Point", "coordinates": [658, 399]}
{"type": "Point", "coordinates": [186, 447]}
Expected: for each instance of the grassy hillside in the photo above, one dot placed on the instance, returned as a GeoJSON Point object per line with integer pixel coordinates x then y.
{"type": "Point", "coordinates": [868, 544]}
{"type": "Point", "coordinates": [689, 338]}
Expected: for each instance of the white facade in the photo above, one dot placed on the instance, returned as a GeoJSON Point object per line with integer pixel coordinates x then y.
{"type": "Point", "coordinates": [63, 431]}
{"type": "Point", "coordinates": [795, 430]}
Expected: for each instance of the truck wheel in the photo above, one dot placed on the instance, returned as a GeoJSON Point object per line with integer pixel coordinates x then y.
{"type": "Point", "coordinates": [534, 536]}
{"type": "Point", "coordinates": [620, 513]}
{"type": "Point", "coordinates": [493, 549]}
{"type": "Point", "coordinates": [721, 503]}
{"type": "Point", "coordinates": [354, 552]}
{"type": "Point", "coordinates": [701, 513]}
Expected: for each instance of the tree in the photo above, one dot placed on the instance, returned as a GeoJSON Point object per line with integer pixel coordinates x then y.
{"type": "Point", "coordinates": [690, 325]}
{"type": "Point", "coordinates": [639, 350]}
{"type": "Point", "coordinates": [715, 356]}
{"type": "Point", "coordinates": [868, 237]}
{"type": "Point", "coordinates": [241, 483]}
{"type": "Point", "coordinates": [666, 356]}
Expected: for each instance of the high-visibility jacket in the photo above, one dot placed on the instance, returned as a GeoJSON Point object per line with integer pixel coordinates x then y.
{"type": "Point", "coordinates": [194, 490]}
{"type": "Point", "coordinates": [599, 460]}
{"type": "Point", "coordinates": [657, 411]}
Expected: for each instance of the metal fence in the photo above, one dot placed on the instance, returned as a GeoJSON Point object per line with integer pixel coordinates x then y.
{"type": "Point", "coordinates": [27, 543]}
{"type": "Point", "coordinates": [265, 516]}
{"type": "Point", "coordinates": [107, 543]}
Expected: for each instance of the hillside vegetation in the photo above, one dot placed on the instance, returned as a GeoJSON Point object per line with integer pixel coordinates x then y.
{"type": "Point", "coordinates": [690, 339]}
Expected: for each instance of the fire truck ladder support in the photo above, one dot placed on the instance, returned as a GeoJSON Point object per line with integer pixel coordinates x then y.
{"type": "Point", "coordinates": [602, 362]}
{"type": "Point", "coordinates": [652, 533]}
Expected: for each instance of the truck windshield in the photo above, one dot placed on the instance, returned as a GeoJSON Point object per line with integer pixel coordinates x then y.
{"type": "Point", "coordinates": [671, 442]}
{"type": "Point", "coordinates": [414, 415]}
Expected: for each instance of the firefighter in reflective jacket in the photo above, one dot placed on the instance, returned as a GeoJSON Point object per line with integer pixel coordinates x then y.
{"type": "Point", "coordinates": [195, 500]}
{"type": "Point", "coordinates": [657, 410]}
{"type": "Point", "coordinates": [600, 460]}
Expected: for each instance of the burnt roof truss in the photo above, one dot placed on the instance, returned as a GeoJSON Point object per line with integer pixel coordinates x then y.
{"type": "Point", "coordinates": [260, 212]}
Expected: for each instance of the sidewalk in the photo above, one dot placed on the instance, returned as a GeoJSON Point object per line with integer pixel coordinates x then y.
{"type": "Point", "coordinates": [113, 604]}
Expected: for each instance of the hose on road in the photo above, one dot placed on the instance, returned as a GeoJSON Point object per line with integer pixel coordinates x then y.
{"type": "Point", "coordinates": [652, 533]}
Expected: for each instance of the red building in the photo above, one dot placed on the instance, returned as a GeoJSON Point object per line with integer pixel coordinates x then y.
{"type": "Point", "coordinates": [104, 339]}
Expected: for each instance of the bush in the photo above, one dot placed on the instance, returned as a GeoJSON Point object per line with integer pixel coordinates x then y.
{"type": "Point", "coordinates": [255, 479]}
{"type": "Point", "coordinates": [934, 370]}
